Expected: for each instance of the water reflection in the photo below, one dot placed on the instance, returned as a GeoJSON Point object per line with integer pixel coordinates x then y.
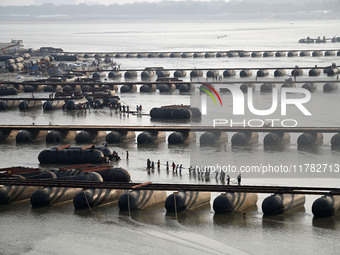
{"type": "Point", "coordinates": [14, 207]}
{"type": "Point", "coordinates": [153, 215]}
{"type": "Point", "coordinates": [310, 149]}
{"type": "Point", "coordinates": [151, 147]}
{"type": "Point", "coordinates": [196, 217]}
{"type": "Point", "coordinates": [179, 146]}
{"type": "Point", "coordinates": [248, 148]}
{"type": "Point", "coordinates": [331, 223]}
{"type": "Point", "coordinates": [336, 150]}
{"type": "Point", "coordinates": [274, 149]}
{"type": "Point", "coordinates": [240, 219]}
{"type": "Point", "coordinates": [77, 113]}
{"type": "Point", "coordinates": [107, 214]}
{"type": "Point", "coordinates": [286, 220]}
{"type": "Point", "coordinates": [63, 208]}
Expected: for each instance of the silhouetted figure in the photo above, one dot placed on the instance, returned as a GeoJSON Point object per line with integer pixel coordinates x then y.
{"type": "Point", "coordinates": [228, 179]}
{"type": "Point", "coordinates": [194, 172]}
{"type": "Point", "coordinates": [222, 176]}
{"type": "Point", "coordinates": [190, 168]}
{"type": "Point", "coordinates": [239, 179]}
{"type": "Point", "coordinates": [173, 166]}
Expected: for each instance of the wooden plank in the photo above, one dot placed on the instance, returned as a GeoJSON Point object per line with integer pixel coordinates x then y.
{"type": "Point", "coordinates": [141, 185]}
{"type": "Point", "coordinates": [76, 167]}
{"type": "Point", "coordinates": [66, 146]}
{"type": "Point", "coordinates": [14, 168]}
{"type": "Point", "coordinates": [94, 169]}
{"type": "Point", "coordinates": [88, 147]}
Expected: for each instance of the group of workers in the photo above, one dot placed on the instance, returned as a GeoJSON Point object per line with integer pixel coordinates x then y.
{"type": "Point", "coordinates": [150, 165]}
{"type": "Point", "coordinates": [201, 173]}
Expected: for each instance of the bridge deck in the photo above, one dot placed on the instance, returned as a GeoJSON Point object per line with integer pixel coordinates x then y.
{"type": "Point", "coordinates": [199, 51]}
{"type": "Point", "coordinates": [172, 128]}
{"type": "Point", "coordinates": [238, 81]}
{"type": "Point", "coordinates": [204, 69]}
{"type": "Point", "coordinates": [174, 187]}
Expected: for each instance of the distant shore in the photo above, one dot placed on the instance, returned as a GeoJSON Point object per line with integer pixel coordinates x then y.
{"type": "Point", "coordinates": [172, 11]}
{"type": "Point", "coordinates": [166, 18]}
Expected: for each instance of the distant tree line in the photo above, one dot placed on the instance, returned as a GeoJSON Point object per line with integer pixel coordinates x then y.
{"type": "Point", "coordinates": [216, 9]}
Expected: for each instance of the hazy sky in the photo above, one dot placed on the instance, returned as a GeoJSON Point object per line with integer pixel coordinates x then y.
{"type": "Point", "coordinates": [29, 2]}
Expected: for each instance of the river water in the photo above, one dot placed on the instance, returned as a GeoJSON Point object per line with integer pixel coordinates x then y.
{"type": "Point", "coordinates": [61, 230]}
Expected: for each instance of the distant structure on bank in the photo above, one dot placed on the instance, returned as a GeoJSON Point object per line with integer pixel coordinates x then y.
{"type": "Point", "coordinates": [319, 40]}
{"type": "Point", "coordinates": [11, 47]}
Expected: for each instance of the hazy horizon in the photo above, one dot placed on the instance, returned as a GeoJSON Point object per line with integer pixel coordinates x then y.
{"type": "Point", "coordinates": [104, 2]}
{"type": "Point", "coordinates": [122, 2]}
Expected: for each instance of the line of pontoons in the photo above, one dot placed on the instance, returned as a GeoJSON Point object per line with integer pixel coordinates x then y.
{"type": "Point", "coordinates": [137, 196]}
{"type": "Point", "coordinates": [200, 54]}
{"type": "Point", "coordinates": [277, 137]}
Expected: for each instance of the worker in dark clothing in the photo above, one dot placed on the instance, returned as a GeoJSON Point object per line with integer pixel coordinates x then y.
{"type": "Point", "coordinates": [148, 164]}
{"type": "Point", "coordinates": [228, 179]}
{"type": "Point", "coordinates": [239, 179]}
